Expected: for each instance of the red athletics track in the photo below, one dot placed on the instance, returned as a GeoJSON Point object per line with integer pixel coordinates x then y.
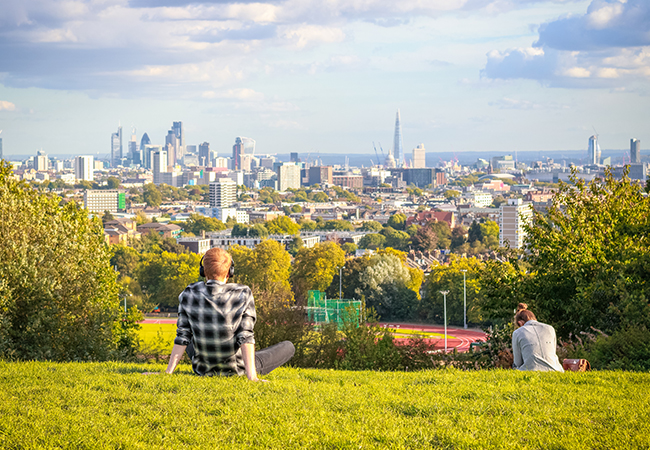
{"type": "Point", "coordinates": [461, 340]}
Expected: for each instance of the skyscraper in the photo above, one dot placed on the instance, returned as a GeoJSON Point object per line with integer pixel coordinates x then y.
{"type": "Point", "coordinates": [635, 151]}
{"type": "Point", "coordinates": [172, 147]}
{"type": "Point", "coordinates": [513, 218]}
{"type": "Point", "coordinates": [41, 162]}
{"type": "Point", "coordinates": [419, 157]}
{"type": "Point", "coordinates": [398, 146]}
{"type": "Point", "coordinates": [133, 155]}
{"type": "Point", "coordinates": [288, 176]}
{"type": "Point", "coordinates": [84, 167]}
{"type": "Point", "coordinates": [116, 147]}
{"type": "Point", "coordinates": [177, 128]}
{"type": "Point", "coordinates": [594, 150]}
{"type": "Point", "coordinates": [204, 155]}
{"type": "Point", "coordinates": [237, 151]}
{"type": "Point", "coordinates": [159, 165]}
{"type": "Point", "coordinates": [223, 193]}
{"type": "Point", "coordinates": [144, 141]}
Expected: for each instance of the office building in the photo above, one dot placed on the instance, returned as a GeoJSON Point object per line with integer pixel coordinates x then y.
{"type": "Point", "coordinates": [288, 176]}
{"type": "Point", "coordinates": [320, 175]}
{"type": "Point", "coordinates": [503, 162]}
{"type": "Point", "coordinates": [116, 147]}
{"type": "Point", "coordinates": [144, 142]}
{"type": "Point", "coordinates": [84, 167]}
{"type": "Point", "coordinates": [419, 157]}
{"type": "Point", "coordinates": [398, 145]}
{"type": "Point", "coordinates": [41, 163]}
{"type": "Point", "coordinates": [98, 201]}
{"type": "Point", "coordinates": [293, 157]}
{"type": "Point", "coordinates": [204, 155]}
{"type": "Point", "coordinates": [512, 219]}
{"type": "Point", "coordinates": [594, 151]}
{"type": "Point", "coordinates": [635, 151]}
{"type": "Point", "coordinates": [159, 165]}
{"type": "Point", "coordinates": [223, 193]}
{"type": "Point", "coordinates": [177, 128]}
{"type": "Point", "coordinates": [172, 148]}
{"type": "Point", "coordinates": [237, 152]}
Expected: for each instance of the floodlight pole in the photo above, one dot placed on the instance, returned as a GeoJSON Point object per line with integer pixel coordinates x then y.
{"type": "Point", "coordinates": [444, 295]}
{"type": "Point", "coordinates": [341, 281]}
{"type": "Point", "coordinates": [464, 300]}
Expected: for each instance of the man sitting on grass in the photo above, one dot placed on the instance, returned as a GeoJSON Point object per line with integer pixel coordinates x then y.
{"type": "Point", "coordinates": [215, 325]}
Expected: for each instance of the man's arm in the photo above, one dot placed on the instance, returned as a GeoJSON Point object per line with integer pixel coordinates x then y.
{"type": "Point", "coordinates": [248, 354]}
{"type": "Point", "coordinates": [177, 354]}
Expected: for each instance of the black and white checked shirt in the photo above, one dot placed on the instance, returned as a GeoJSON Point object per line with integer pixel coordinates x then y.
{"type": "Point", "coordinates": [218, 318]}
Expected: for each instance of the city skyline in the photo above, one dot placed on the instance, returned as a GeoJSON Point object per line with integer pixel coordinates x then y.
{"type": "Point", "coordinates": [516, 75]}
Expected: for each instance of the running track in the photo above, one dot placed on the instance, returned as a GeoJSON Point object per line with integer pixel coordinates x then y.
{"type": "Point", "coordinates": [461, 338]}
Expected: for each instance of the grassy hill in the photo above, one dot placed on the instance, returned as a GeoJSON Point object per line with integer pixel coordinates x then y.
{"type": "Point", "coordinates": [112, 405]}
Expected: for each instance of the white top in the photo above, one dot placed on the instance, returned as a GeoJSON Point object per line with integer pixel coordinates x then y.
{"type": "Point", "coordinates": [533, 347]}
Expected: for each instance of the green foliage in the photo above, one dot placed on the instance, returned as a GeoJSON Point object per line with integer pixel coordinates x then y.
{"type": "Point", "coordinates": [58, 291]}
{"type": "Point", "coordinates": [255, 230]}
{"type": "Point", "coordinates": [371, 225]}
{"type": "Point", "coordinates": [452, 193]}
{"type": "Point", "coordinates": [414, 190]}
{"type": "Point", "coordinates": [397, 221]}
{"type": "Point", "coordinates": [349, 248]}
{"type": "Point", "coordinates": [107, 217]}
{"type": "Point", "coordinates": [450, 278]}
{"type": "Point", "coordinates": [112, 183]}
{"type": "Point", "coordinates": [282, 225]}
{"type": "Point", "coordinates": [151, 195]}
{"type": "Point", "coordinates": [337, 225]}
{"type": "Point", "coordinates": [165, 275]}
{"type": "Point", "coordinates": [296, 244]}
{"type": "Point", "coordinates": [265, 268]}
{"type": "Point", "coordinates": [307, 225]}
{"type": "Point", "coordinates": [626, 349]}
{"type": "Point", "coordinates": [124, 259]}
{"type": "Point", "coordinates": [396, 239]}
{"type": "Point", "coordinates": [590, 257]}
{"type": "Point", "coordinates": [372, 241]}
{"type": "Point", "coordinates": [198, 223]}
{"type": "Point", "coordinates": [269, 195]}
{"type": "Point", "coordinates": [314, 268]}
{"type": "Point", "coordinates": [425, 239]}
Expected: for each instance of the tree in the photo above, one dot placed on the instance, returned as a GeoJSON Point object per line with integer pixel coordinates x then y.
{"type": "Point", "coordinates": [151, 195]}
{"type": "Point", "coordinates": [589, 257]}
{"type": "Point", "coordinates": [443, 231]}
{"type": "Point", "coordinates": [163, 276]}
{"type": "Point", "coordinates": [296, 244]}
{"type": "Point", "coordinates": [458, 236]}
{"type": "Point", "coordinates": [58, 291]}
{"type": "Point", "coordinates": [372, 241]}
{"type": "Point", "coordinates": [371, 225]}
{"type": "Point", "coordinates": [124, 259]}
{"type": "Point", "coordinates": [265, 268]}
{"type": "Point", "coordinates": [141, 218]}
{"type": "Point", "coordinates": [397, 221]}
{"type": "Point", "coordinates": [296, 209]}
{"type": "Point", "coordinates": [107, 217]}
{"type": "Point", "coordinates": [450, 278]}
{"type": "Point", "coordinates": [307, 225]}
{"type": "Point", "coordinates": [349, 248]}
{"type": "Point", "coordinates": [396, 239]}
{"type": "Point", "coordinates": [282, 225]}
{"type": "Point", "coordinates": [198, 223]}
{"type": "Point", "coordinates": [315, 267]}
{"type": "Point", "coordinates": [338, 225]}
{"type": "Point", "coordinates": [425, 239]}
{"type": "Point", "coordinates": [498, 201]}
{"type": "Point", "coordinates": [452, 193]}
{"type": "Point", "coordinates": [112, 183]}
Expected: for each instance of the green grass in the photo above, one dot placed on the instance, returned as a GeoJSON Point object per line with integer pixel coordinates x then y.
{"type": "Point", "coordinates": [158, 335]}
{"type": "Point", "coordinates": [112, 405]}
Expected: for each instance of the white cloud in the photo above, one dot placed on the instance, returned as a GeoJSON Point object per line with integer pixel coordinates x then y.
{"type": "Point", "coordinates": [238, 94]}
{"type": "Point", "coordinates": [307, 35]}
{"type": "Point", "coordinates": [7, 106]}
{"type": "Point", "coordinates": [576, 72]}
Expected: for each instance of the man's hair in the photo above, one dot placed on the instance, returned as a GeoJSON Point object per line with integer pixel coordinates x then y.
{"type": "Point", "coordinates": [523, 314]}
{"type": "Point", "coordinates": [216, 263]}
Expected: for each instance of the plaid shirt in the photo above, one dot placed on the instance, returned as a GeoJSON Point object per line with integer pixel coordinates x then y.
{"type": "Point", "coordinates": [218, 318]}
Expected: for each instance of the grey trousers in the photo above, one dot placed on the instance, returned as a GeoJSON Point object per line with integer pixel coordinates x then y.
{"type": "Point", "coordinates": [265, 360]}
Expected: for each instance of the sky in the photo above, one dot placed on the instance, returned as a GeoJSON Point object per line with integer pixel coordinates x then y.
{"type": "Point", "coordinates": [325, 76]}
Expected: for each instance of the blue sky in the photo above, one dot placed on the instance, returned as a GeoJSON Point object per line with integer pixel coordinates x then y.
{"type": "Point", "coordinates": [325, 75]}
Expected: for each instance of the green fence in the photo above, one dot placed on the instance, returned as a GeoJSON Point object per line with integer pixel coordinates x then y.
{"type": "Point", "coordinates": [321, 310]}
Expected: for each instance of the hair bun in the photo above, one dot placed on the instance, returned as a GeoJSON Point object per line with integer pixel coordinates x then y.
{"type": "Point", "coordinates": [522, 306]}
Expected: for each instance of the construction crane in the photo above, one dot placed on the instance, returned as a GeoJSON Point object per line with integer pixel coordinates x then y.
{"type": "Point", "coordinates": [376, 153]}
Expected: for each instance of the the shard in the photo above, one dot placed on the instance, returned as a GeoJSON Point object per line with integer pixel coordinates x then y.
{"type": "Point", "coordinates": [398, 146]}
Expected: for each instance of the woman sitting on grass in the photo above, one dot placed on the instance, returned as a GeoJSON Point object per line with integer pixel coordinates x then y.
{"type": "Point", "coordinates": [533, 343]}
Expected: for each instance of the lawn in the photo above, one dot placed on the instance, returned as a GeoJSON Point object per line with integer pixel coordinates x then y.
{"type": "Point", "coordinates": [112, 405]}
{"type": "Point", "coordinates": [157, 336]}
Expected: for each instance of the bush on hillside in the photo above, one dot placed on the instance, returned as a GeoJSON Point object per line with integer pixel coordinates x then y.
{"type": "Point", "coordinates": [58, 291]}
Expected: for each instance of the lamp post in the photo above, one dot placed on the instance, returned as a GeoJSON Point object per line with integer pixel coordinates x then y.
{"type": "Point", "coordinates": [464, 300]}
{"type": "Point", "coordinates": [444, 295]}
{"type": "Point", "coordinates": [341, 281]}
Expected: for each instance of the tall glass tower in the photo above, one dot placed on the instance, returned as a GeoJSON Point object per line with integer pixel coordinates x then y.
{"type": "Point", "coordinates": [594, 150]}
{"type": "Point", "coordinates": [398, 146]}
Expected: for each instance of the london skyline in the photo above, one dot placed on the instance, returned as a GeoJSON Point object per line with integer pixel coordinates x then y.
{"type": "Point", "coordinates": [467, 75]}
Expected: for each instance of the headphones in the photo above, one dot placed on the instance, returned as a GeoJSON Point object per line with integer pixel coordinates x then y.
{"type": "Point", "coordinates": [231, 270]}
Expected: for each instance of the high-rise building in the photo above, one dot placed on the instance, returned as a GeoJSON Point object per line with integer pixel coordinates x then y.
{"type": "Point", "coordinates": [116, 147]}
{"type": "Point", "coordinates": [594, 150]}
{"type": "Point", "coordinates": [512, 219]}
{"type": "Point", "coordinates": [147, 155]}
{"type": "Point", "coordinates": [41, 163]}
{"type": "Point", "coordinates": [84, 168]}
{"type": "Point", "coordinates": [635, 151]}
{"type": "Point", "coordinates": [321, 175]}
{"type": "Point", "coordinates": [237, 152]}
{"type": "Point", "coordinates": [177, 128]}
{"type": "Point", "coordinates": [419, 157]}
{"type": "Point", "coordinates": [288, 176]}
{"type": "Point", "coordinates": [144, 141]}
{"type": "Point", "coordinates": [160, 165]}
{"type": "Point", "coordinates": [223, 193]}
{"type": "Point", "coordinates": [204, 155]}
{"type": "Point", "coordinates": [98, 201]}
{"type": "Point", "coordinates": [134, 155]}
{"type": "Point", "coordinates": [293, 157]}
{"type": "Point", "coordinates": [172, 147]}
{"type": "Point", "coordinates": [398, 145]}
